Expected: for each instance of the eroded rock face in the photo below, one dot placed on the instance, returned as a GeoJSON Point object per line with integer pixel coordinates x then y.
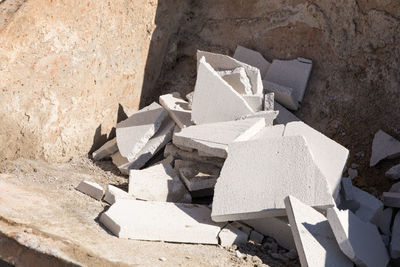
{"type": "Point", "coordinates": [66, 66]}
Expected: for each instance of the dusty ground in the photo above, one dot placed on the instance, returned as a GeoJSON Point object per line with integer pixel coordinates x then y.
{"type": "Point", "coordinates": [41, 211]}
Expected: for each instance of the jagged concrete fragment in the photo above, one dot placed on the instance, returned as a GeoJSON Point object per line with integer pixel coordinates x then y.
{"type": "Point", "coordinates": [395, 187]}
{"type": "Point", "coordinates": [278, 167]}
{"type": "Point", "coordinates": [189, 98]}
{"type": "Point", "coordinates": [269, 99]}
{"type": "Point", "coordinates": [113, 193]}
{"type": "Point", "coordinates": [315, 242]}
{"type": "Point", "coordinates": [121, 162]}
{"type": "Point", "coordinates": [282, 94]}
{"type": "Point", "coordinates": [395, 243]}
{"type": "Point", "coordinates": [328, 155]}
{"type": "Point", "coordinates": [253, 58]}
{"type": "Point", "coordinates": [177, 153]}
{"type": "Point", "coordinates": [134, 132]}
{"type": "Point", "coordinates": [268, 115]}
{"type": "Point", "coordinates": [275, 227]}
{"type": "Point", "coordinates": [284, 116]}
{"type": "Point", "coordinates": [256, 237]}
{"type": "Point", "coordinates": [391, 199]}
{"type": "Point", "coordinates": [242, 227]}
{"type": "Point", "coordinates": [384, 220]}
{"type": "Point", "coordinates": [370, 206]}
{"type": "Point", "coordinates": [290, 73]}
{"type": "Point", "coordinates": [91, 189]}
{"type": "Point", "coordinates": [394, 172]}
{"type": "Point", "coordinates": [231, 235]}
{"type": "Point", "coordinates": [358, 240]}
{"type": "Point", "coordinates": [178, 109]}
{"type": "Point", "coordinates": [254, 101]}
{"type": "Point", "coordinates": [270, 131]}
{"type": "Point", "coordinates": [347, 188]}
{"type": "Point", "coordinates": [158, 183]}
{"type": "Point", "coordinates": [222, 62]}
{"type": "Point", "coordinates": [161, 221]}
{"type": "Point", "coordinates": [106, 150]}
{"type": "Point", "coordinates": [384, 146]}
{"type": "Point", "coordinates": [213, 138]}
{"type": "Point", "coordinates": [353, 173]}
{"type": "Point", "coordinates": [237, 78]}
{"type": "Point", "coordinates": [214, 100]}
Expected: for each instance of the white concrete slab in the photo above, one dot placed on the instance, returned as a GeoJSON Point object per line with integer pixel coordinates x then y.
{"type": "Point", "coordinates": [231, 235]}
{"type": "Point", "coordinates": [391, 199]}
{"type": "Point", "coordinates": [284, 95]}
{"type": "Point", "coordinates": [383, 146]}
{"type": "Point", "coordinates": [270, 131]}
{"type": "Point", "coordinates": [106, 150]}
{"type": "Point", "coordinates": [91, 189]}
{"type": "Point", "coordinates": [384, 220]}
{"type": "Point", "coordinates": [120, 162]}
{"type": "Point", "coordinates": [358, 240]}
{"type": "Point", "coordinates": [177, 153]}
{"type": "Point", "coordinates": [254, 101]}
{"type": "Point", "coordinates": [268, 115]}
{"type": "Point", "coordinates": [134, 132]}
{"type": "Point", "coordinates": [253, 58]}
{"type": "Point", "coordinates": [370, 206]}
{"type": "Point", "coordinates": [269, 99]}
{"type": "Point", "coordinates": [178, 109]}
{"type": "Point", "coordinates": [290, 73]}
{"type": "Point", "coordinates": [395, 242]}
{"type": "Point", "coordinates": [161, 221]}
{"type": "Point", "coordinates": [278, 167]}
{"type": "Point", "coordinates": [328, 155]}
{"type": "Point", "coordinates": [394, 172]}
{"type": "Point", "coordinates": [113, 193]}
{"type": "Point", "coordinates": [284, 116]}
{"type": "Point", "coordinates": [189, 98]}
{"type": "Point", "coordinates": [214, 138]}
{"type": "Point", "coordinates": [275, 227]}
{"type": "Point", "coordinates": [256, 237]}
{"type": "Point", "coordinates": [222, 62]}
{"type": "Point", "coordinates": [237, 78]}
{"type": "Point", "coordinates": [315, 242]}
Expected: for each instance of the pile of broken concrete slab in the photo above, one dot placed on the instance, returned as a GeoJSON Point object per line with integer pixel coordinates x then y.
{"type": "Point", "coordinates": [257, 170]}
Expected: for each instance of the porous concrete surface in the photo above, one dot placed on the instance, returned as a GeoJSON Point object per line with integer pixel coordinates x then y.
{"type": "Point", "coordinates": [91, 189]}
{"type": "Point", "coordinates": [178, 109]}
{"type": "Point", "coordinates": [106, 150]}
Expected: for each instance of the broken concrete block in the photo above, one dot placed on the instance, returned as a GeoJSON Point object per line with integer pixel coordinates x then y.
{"type": "Point", "coordinates": [254, 101]}
{"type": "Point", "coordinates": [275, 227]}
{"type": "Point", "coordinates": [198, 183]}
{"type": "Point", "coordinates": [237, 78]}
{"type": "Point", "coordinates": [358, 240]}
{"type": "Point", "coordinates": [189, 98]}
{"type": "Point", "coordinates": [386, 240]}
{"type": "Point", "coordinates": [91, 189]}
{"type": "Point", "coordinates": [113, 193]}
{"type": "Point", "coordinates": [222, 62]}
{"type": "Point", "coordinates": [178, 109]}
{"type": "Point", "coordinates": [284, 116]}
{"type": "Point", "coordinates": [121, 162]}
{"type": "Point", "coordinates": [177, 153]}
{"type": "Point", "coordinates": [391, 199]}
{"type": "Point", "coordinates": [384, 220]}
{"type": "Point", "coordinates": [214, 100]}
{"type": "Point", "coordinates": [278, 167]}
{"type": "Point", "coordinates": [395, 243]}
{"type": "Point", "coordinates": [106, 150]}
{"type": "Point", "coordinates": [370, 206]}
{"type": "Point", "coordinates": [231, 235]}
{"type": "Point", "coordinates": [394, 172]}
{"type": "Point", "coordinates": [161, 221]}
{"type": "Point", "coordinates": [270, 131]}
{"type": "Point", "coordinates": [284, 95]}
{"type": "Point", "coordinates": [268, 115]}
{"type": "Point", "coordinates": [347, 188]}
{"type": "Point", "coordinates": [134, 132]}
{"type": "Point", "coordinates": [291, 73]}
{"type": "Point", "coordinates": [213, 138]}
{"type": "Point", "coordinates": [328, 155]}
{"type": "Point", "coordinates": [395, 187]}
{"type": "Point", "coordinates": [253, 58]}
{"type": "Point", "coordinates": [313, 236]}
{"type": "Point", "coordinates": [256, 237]}
{"type": "Point", "coordinates": [269, 99]}
{"type": "Point", "coordinates": [384, 146]}
{"type": "Point", "coordinates": [158, 183]}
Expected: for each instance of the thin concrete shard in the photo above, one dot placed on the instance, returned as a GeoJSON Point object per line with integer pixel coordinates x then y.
{"type": "Point", "coordinates": [177, 153]}
{"type": "Point", "coordinates": [278, 167]}
{"type": "Point", "coordinates": [384, 146]}
{"type": "Point", "coordinates": [270, 131]}
{"type": "Point", "coordinates": [358, 240]}
{"type": "Point", "coordinates": [91, 189]}
{"type": "Point", "coordinates": [214, 100]}
{"type": "Point", "coordinates": [214, 138]}
{"type": "Point", "coordinates": [292, 74]}
{"type": "Point", "coordinates": [384, 220]}
{"type": "Point", "coordinates": [231, 235]}
{"type": "Point", "coordinates": [134, 132]}
{"type": "Point", "coordinates": [237, 78]}
{"type": "Point", "coordinates": [253, 58]}
{"type": "Point", "coordinates": [394, 172]}
{"type": "Point", "coordinates": [395, 243]}
{"type": "Point", "coordinates": [114, 193]}
{"type": "Point", "coordinates": [315, 242]}
{"type": "Point", "coordinates": [254, 101]}
{"type": "Point", "coordinates": [275, 227]}
{"type": "Point", "coordinates": [106, 150]}
{"type": "Point", "coordinates": [328, 155]}
{"type": "Point", "coordinates": [161, 221]}
{"type": "Point", "coordinates": [222, 62]}
{"type": "Point", "coordinates": [158, 183]}
{"type": "Point", "coordinates": [284, 116]}
{"type": "Point", "coordinates": [269, 99]}
{"type": "Point", "coordinates": [268, 115]}
{"type": "Point", "coordinates": [284, 95]}
{"type": "Point", "coordinates": [178, 109]}
{"type": "Point", "coordinates": [391, 199]}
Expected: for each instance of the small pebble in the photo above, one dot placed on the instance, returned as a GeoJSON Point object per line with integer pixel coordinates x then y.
{"type": "Point", "coordinates": [188, 257]}
{"type": "Point", "coordinates": [162, 259]}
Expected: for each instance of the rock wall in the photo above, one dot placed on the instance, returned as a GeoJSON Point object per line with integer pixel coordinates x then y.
{"type": "Point", "coordinates": [68, 69]}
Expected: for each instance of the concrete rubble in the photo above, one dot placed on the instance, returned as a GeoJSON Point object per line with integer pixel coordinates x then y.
{"type": "Point", "coordinates": [178, 109]}
{"type": "Point", "coordinates": [383, 146]}
{"type": "Point", "coordinates": [252, 58]}
{"type": "Point", "coordinates": [391, 199]}
{"type": "Point", "coordinates": [395, 243]}
{"type": "Point", "coordinates": [231, 235]}
{"type": "Point", "coordinates": [394, 172]}
{"type": "Point", "coordinates": [91, 189]}
{"type": "Point", "coordinates": [238, 79]}
{"type": "Point", "coordinates": [114, 193]}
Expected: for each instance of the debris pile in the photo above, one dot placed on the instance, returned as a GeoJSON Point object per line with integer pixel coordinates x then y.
{"type": "Point", "coordinates": [237, 165]}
